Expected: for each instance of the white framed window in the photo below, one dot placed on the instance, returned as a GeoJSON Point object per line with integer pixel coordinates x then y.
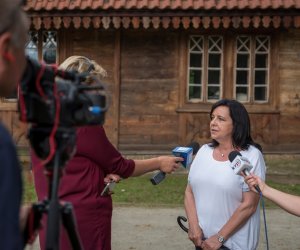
{"type": "Point", "coordinates": [240, 70]}
{"type": "Point", "coordinates": [205, 68]}
{"type": "Point", "coordinates": [214, 67]}
{"type": "Point", "coordinates": [42, 46]}
{"type": "Point", "coordinates": [49, 50]}
{"type": "Point", "coordinates": [252, 68]}
{"type": "Point", "coordinates": [195, 71]}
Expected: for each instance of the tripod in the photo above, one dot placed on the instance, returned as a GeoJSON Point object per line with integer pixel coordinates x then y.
{"type": "Point", "coordinates": [65, 140]}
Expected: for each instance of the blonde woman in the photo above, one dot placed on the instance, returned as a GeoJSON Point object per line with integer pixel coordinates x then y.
{"type": "Point", "coordinates": [83, 180]}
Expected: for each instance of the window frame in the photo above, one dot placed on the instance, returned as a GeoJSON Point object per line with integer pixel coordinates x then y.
{"type": "Point", "coordinates": [10, 103]}
{"type": "Point", "coordinates": [228, 89]}
{"type": "Point", "coordinates": [204, 84]}
{"type": "Point", "coordinates": [252, 70]}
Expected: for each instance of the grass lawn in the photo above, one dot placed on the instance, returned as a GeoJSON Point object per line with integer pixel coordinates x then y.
{"type": "Point", "coordinates": [170, 192]}
{"type": "Point", "coordinates": [139, 191]}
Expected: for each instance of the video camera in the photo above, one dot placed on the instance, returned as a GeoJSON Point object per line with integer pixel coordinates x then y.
{"type": "Point", "coordinates": [48, 96]}
{"type": "Point", "coordinates": [55, 102]}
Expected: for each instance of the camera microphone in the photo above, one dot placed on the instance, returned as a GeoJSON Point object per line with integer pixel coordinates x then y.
{"type": "Point", "coordinates": [241, 164]}
{"type": "Point", "coordinates": [186, 153]}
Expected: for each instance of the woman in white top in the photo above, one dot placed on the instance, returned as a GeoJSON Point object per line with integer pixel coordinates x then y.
{"type": "Point", "coordinates": [222, 213]}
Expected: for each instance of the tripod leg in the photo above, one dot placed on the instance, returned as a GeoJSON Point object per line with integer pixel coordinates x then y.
{"type": "Point", "coordinates": [53, 226]}
{"type": "Point", "coordinates": [53, 220]}
{"type": "Point", "coordinates": [33, 223]}
{"type": "Point", "coordinates": [69, 222]}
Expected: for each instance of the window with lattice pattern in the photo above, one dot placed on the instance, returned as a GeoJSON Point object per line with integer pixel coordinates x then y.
{"type": "Point", "coordinates": [205, 68]}
{"type": "Point", "coordinates": [247, 77]}
{"type": "Point", "coordinates": [252, 68]}
{"type": "Point", "coordinates": [40, 46]}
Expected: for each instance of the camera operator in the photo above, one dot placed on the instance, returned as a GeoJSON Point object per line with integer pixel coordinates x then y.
{"type": "Point", "coordinates": [13, 34]}
{"type": "Point", "coordinates": [95, 159]}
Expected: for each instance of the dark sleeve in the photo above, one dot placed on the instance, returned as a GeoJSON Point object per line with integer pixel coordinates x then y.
{"type": "Point", "coordinates": [10, 193]}
{"type": "Point", "coordinates": [93, 143]}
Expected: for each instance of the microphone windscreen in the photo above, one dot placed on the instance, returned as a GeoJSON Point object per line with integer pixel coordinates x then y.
{"type": "Point", "coordinates": [233, 154]}
{"type": "Point", "coordinates": [195, 146]}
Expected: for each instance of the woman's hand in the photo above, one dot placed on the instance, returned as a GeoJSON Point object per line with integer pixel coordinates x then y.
{"type": "Point", "coordinates": [195, 234]}
{"type": "Point", "coordinates": [169, 164]}
{"type": "Point", "coordinates": [253, 180]}
{"type": "Point", "coordinates": [211, 243]}
{"type": "Point", "coordinates": [112, 177]}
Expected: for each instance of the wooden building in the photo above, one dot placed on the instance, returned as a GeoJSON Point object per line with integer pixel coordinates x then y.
{"type": "Point", "coordinates": [169, 60]}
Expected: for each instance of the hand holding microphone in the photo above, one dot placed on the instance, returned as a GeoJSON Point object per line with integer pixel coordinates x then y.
{"type": "Point", "coordinates": [164, 168]}
{"type": "Point", "coordinates": [254, 181]}
{"type": "Point", "coordinates": [241, 165]}
{"type": "Point", "coordinates": [186, 153]}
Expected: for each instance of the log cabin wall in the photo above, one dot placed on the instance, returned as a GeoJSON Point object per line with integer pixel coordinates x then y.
{"type": "Point", "coordinates": [142, 79]}
{"type": "Point", "coordinates": [147, 81]}
{"type": "Point", "coordinates": [10, 118]}
{"type": "Point", "coordinates": [147, 75]}
{"type": "Point", "coordinates": [103, 47]}
{"type": "Point", "coordinates": [149, 90]}
{"type": "Point", "coordinates": [289, 91]}
{"type": "Point", "coordinates": [273, 125]}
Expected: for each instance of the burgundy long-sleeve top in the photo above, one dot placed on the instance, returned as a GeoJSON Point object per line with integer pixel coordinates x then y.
{"type": "Point", "coordinates": [82, 183]}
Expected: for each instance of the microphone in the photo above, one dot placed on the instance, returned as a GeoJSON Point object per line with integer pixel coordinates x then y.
{"type": "Point", "coordinates": [240, 164]}
{"type": "Point", "coordinates": [186, 153]}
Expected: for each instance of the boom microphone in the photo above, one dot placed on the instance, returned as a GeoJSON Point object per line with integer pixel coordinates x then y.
{"type": "Point", "coordinates": [240, 164]}
{"type": "Point", "coordinates": [186, 153]}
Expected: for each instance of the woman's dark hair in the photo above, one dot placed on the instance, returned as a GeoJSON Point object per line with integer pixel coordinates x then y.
{"type": "Point", "coordinates": [241, 133]}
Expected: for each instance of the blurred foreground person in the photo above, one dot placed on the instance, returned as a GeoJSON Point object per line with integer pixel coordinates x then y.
{"type": "Point", "coordinates": [13, 34]}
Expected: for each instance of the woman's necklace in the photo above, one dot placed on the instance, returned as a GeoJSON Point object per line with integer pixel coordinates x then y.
{"type": "Point", "coordinates": [222, 154]}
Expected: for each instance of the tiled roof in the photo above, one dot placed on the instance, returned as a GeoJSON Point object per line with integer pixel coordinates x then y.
{"type": "Point", "coordinates": [164, 14]}
{"type": "Point", "coordinates": [37, 5]}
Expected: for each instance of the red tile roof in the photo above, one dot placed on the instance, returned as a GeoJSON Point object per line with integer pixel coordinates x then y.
{"type": "Point", "coordinates": [163, 13]}
{"type": "Point", "coordinates": [37, 5]}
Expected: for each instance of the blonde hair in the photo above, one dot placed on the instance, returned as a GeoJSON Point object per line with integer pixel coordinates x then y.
{"type": "Point", "coordinates": [83, 64]}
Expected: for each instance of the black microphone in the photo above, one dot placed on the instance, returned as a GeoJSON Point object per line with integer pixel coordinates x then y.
{"type": "Point", "coordinates": [186, 153]}
{"type": "Point", "coordinates": [240, 164]}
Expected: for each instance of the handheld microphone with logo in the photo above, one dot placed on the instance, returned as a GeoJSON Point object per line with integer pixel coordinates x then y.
{"type": "Point", "coordinates": [186, 153]}
{"type": "Point", "coordinates": [240, 164]}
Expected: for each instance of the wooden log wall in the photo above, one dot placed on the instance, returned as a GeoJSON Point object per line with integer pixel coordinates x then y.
{"type": "Point", "coordinates": [103, 47]}
{"type": "Point", "coordinates": [149, 90]}
{"type": "Point", "coordinates": [9, 117]}
{"type": "Point", "coordinates": [289, 98]}
{"type": "Point", "coordinates": [144, 78]}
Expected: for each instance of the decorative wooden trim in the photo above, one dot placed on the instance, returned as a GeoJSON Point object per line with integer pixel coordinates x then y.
{"type": "Point", "coordinates": [175, 22]}
{"type": "Point", "coordinates": [297, 22]}
{"type": "Point", "coordinates": [166, 21]}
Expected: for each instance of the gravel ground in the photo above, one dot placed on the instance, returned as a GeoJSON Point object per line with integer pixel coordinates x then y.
{"type": "Point", "coordinates": [140, 228]}
{"type": "Point", "coordinates": [157, 228]}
